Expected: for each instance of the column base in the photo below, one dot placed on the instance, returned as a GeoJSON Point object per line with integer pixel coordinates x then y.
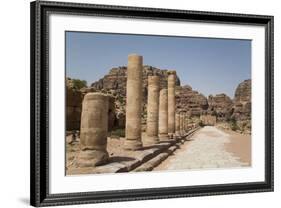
{"type": "Point", "coordinates": [170, 135]}
{"type": "Point", "coordinates": [164, 137]}
{"type": "Point", "coordinates": [91, 158]}
{"type": "Point", "coordinates": [132, 144]}
{"type": "Point", "coordinates": [182, 133]}
{"type": "Point", "coordinates": [151, 140]}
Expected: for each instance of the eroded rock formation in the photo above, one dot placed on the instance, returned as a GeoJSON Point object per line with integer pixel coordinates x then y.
{"type": "Point", "coordinates": [115, 81]}
{"type": "Point", "coordinates": [242, 106]}
{"type": "Point", "coordinates": [220, 106]}
{"type": "Point", "coordinates": [191, 101]}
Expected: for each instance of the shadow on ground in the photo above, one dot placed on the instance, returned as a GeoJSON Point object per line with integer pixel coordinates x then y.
{"type": "Point", "coordinates": [120, 159]}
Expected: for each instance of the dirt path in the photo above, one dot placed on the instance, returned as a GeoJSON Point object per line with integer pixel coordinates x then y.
{"type": "Point", "coordinates": [211, 148]}
{"type": "Point", "coordinates": [239, 145]}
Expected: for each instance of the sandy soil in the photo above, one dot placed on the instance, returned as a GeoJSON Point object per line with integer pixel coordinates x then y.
{"type": "Point", "coordinates": [239, 145]}
{"type": "Point", "coordinates": [114, 148]}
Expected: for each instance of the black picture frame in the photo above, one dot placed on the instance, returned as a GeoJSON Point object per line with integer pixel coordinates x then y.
{"type": "Point", "coordinates": [39, 177]}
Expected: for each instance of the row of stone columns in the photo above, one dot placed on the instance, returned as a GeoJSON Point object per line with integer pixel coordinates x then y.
{"type": "Point", "coordinates": [181, 123]}
{"type": "Point", "coordinates": [161, 117]}
{"type": "Point", "coordinates": [160, 106]}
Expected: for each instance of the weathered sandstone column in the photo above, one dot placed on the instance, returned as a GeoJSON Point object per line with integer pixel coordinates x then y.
{"type": "Point", "coordinates": [152, 110]}
{"type": "Point", "coordinates": [93, 132]}
{"type": "Point", "coordinates": [185, 122]}
{"type": "Point", "coordinates": [163, 115]}
{"type": "Point", "coordinates": [171, 102]}
{"type": "Point", "coordinates": [133, 103]}
{"type": "Point", "coordinates": [181, 123]}
{"type": "Point", "coordinates": [178, 124]}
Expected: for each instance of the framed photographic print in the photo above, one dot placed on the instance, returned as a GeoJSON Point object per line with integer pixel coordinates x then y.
{"type": "Point", "coordinates": [131, 103]}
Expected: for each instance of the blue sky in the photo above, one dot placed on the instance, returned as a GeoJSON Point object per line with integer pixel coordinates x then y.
{"type": "Point", "coordinates": [210, 66]}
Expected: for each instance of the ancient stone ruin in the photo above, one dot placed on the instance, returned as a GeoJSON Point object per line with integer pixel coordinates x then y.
{"type": "Point", "coordinates": [130, 98]}
{"type": "Point", "coordinates": [152, 121]}
{"type": "Point", "coordinates": [163, 115]}
{"type": "Point", "coordinates": [134, 103]}
{"type": "Point", "coordinates": [93, 133]}
{"type": "Point", "coordinates": [171, 102]}
{"type": "Point", "coordinates": [226, 110]}
{"type": "Point", "coordinates": [98, 108]}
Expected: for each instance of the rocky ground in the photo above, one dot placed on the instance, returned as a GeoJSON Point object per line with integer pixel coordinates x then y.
{"type": "Point", "coordinates": [121, 160]}
{"type": "Point", "coordinates": [211, 148]}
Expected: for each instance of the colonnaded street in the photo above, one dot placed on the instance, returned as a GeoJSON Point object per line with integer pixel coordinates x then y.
{"type": "Point", "coordinates": [210, 147]}
{"type": "Point", "coordinates": [159, 130]}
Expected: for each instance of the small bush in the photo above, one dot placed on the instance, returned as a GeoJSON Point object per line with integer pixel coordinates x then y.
{"type": "Point", "coordinates": [78, 84]}
{"type": "Point", "coordinates": [118, 132]}
{"type": "Point", "coordinates": [233, 125]}
{"type": "Point", "coordinates": [201, 123]}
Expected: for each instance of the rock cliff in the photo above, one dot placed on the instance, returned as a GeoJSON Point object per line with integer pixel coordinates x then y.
{"type": "Point", "coordinates": [220, 105]}
{"type": "Point", "coordinates": [115, 81]}
{"type": "Point", "coordinates": [192, 101]}
{"type": "Point", "coordinates": [242, 106]}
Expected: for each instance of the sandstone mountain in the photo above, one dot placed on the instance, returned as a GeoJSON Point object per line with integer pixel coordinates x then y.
{"type": "Point", "coordinates": [191, 101]}
{"type": "Point", "coordinates": [115, 83]}
{"type": "Point", "coordinates": [242, 106]}
{"type": "Point", "coordinates": [220, 105]}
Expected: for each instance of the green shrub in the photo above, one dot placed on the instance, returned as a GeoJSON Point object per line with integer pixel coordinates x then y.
{"type": "Point", "coordinates": [118, 132]}
{"type": "Point", "coordinates": [201, 123]}
{"type": "Point", "coordinates": [78, 84]}
{"type": "Point", "coordinates": [233, 124]}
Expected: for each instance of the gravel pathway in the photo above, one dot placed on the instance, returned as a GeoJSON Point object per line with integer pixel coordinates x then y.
{"type": "Point", "coordinates": [205, 150]}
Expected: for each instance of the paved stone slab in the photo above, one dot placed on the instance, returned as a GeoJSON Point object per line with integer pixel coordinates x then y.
{"type": "Point", "coordinates": [205, 150]}
{"type": "Point", "coordinates": [148, 166]}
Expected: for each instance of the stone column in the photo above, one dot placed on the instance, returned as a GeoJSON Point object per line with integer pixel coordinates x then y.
{"type": "Point", "coordinates": [134, 103]}
{"type": "Point", "coordinates": [163, 115]}
{"type": "Point", "coordinates": [178, 124]}
{"type": "Point", "coordinates": [171, 102]}
{"type": "Point", "coordinates": [152, 110]}
{"type": "Point", "coordinates": [181, 123]}
{"type": "Point", "coordinates": [186, 122]}
{"type": "Point", "coordinates": [93, 132]}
